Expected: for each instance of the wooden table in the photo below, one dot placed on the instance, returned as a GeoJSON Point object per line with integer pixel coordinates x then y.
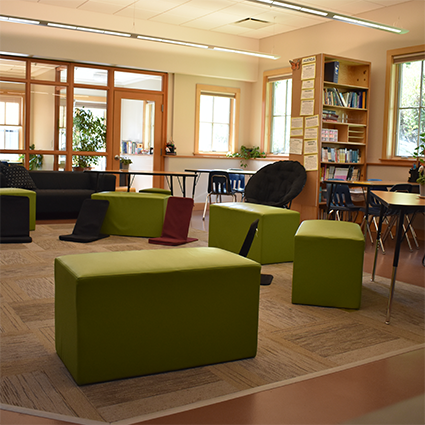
{"type": "Point", "coordinates": [403, 203]}
{"type": "Point", "coordinates": [169, 175]}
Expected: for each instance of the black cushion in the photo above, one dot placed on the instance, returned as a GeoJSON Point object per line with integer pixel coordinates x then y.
{"type": "Point", "coordinates": [17, 176]}
{"type": "Point", "coordinates": [14, 219]}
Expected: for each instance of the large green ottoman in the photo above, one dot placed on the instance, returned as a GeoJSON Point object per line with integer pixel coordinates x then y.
{"type": "Point", "coordinates": [124, 314]}
{"type": "Point", "coordinates": [274, 241]}
{"type": "Point", "coordinates": [134, 214]}
{"type": "Point", "coordinates": [328, 264]}
{"type": "Point", "coordinates": [30, 194]}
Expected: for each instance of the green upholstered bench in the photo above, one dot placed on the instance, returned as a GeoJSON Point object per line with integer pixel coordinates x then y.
{"type": "Point", "coordinates": [274, 241]}
{"type": "Point", "coordinates": [124, 314]}
{"type": "Point", "coordinates": [134, 214]}
{"type": "Point", "coordinates": [328, 264]}
{"type": "Point", "coordinates": [30, 194]}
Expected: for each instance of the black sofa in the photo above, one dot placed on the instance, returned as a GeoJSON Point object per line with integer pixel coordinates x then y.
{"type": "Point", "coordinates": [60, 194]}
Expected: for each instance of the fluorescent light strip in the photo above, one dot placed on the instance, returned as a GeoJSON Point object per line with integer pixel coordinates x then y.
{"type": "Point", "coordinates": [330, 15]}
{"type": "Point", "coordinates": [138, 36]}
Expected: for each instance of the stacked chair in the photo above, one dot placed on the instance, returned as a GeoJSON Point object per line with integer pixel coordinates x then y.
{"type": "Point", "coordinates": [340, 204]}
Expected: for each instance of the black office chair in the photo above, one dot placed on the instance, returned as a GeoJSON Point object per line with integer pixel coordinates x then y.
{"type": "Point", "coordinates": [276, 184]}
{"type": "Point", "coordinates": [266, 279]}
{"type": "Point", "coordinates": [218, 185]}
{"type": "Point", "coordinates": [340, 202]}
{"type": "Point", "coordinates": [89, 222]}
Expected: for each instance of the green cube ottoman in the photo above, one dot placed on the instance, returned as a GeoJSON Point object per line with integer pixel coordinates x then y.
{"type": "Point", "coordinates": [30, 194]}
{"type": "Point", "coordinates": [134, 214]}
{"type": "Point", "coordinates": [274, 241]}
{"type": "Point", "coordinates": [126, 314]}
{"type": "Point", "coordinates": [328, 264]}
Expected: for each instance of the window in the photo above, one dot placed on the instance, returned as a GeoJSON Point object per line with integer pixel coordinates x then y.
{"type": "Point", "coordinates": [217, 109]}
{"type": "Point", "coordinates": [277, 88]}
{"type": "Point", "coordinates": [405, 101]}
{"type": "Point", "coordinates": [10, 122]}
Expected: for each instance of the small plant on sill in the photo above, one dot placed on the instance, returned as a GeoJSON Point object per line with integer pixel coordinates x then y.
{"type": "Point", "coordinates": [247, 153]}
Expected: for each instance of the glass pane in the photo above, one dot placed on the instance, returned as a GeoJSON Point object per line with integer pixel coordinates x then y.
{"type": "Point", "coordinates": [206, 109]}
{"type": "Point", "coordinates": [410, 82]}
{"type": "Point", "coordinates": [48, 72]}
{"type": "Point", "coordinates": [10, 157]}
{"type": "Point", "coordinates": [11, 115]}
{"type": "Point", "coordinates": [222, 109]}
{"type": "Point", "coordinates": [44, 131]}
{"type": "Point", "coordinates": [133, 80]}
{"type": "Point", "coordinates": [205, 137]}
{"type": "Point", "coordinates": [220, 138]}
{"type": "Point", "coordinates": [94, 76]}
{"type": "Point", "coordinates": [89, 130]}
{"type": "Point", "coordinates": [278, 134]}
{"type": "Point", "coordinates": [12, 68]}
{"type": "Point", "coordinates": [137, 126]}
{"type": "Point", "coordinates": [407, 132]}
{"type": "Point", "coordinates": [95, 162]}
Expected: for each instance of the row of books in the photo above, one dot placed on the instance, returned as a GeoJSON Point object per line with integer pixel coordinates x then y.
{"type": "Point", "coordinates": [330, 115]}
{"type": "Point", "coordinates": [127, 146]}
{"type": "Point", "coordinates": [330, 154]}
{"type": "Point", "coordinates": [332, 172]}
{"type": "Point", "coordinates": [349, 99]}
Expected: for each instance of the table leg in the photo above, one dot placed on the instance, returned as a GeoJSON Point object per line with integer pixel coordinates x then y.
{"type": "Point", "coordinates": [195, 182]}
{"type": "Point", "coordinates": [378, 241]}
{"type": "Point", "coordinates": [395, 262]}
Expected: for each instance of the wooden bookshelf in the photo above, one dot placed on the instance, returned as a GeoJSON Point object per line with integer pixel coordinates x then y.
{"type": "Point", "coordinates": [342, 108]}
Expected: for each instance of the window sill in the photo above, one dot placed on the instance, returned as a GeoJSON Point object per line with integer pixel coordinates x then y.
{"type": "Point", "coordinates": [394, 162]}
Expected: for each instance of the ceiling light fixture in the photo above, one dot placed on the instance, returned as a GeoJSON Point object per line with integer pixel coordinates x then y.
{"type": "Point", "coordinates": [135, 36]}
{"type": "Point", "coordinates": [331, 15]}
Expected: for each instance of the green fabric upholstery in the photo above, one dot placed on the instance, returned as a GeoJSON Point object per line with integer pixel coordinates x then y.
{"type": "Point", "coordinates": [328, 264]}
{"type": "Point", "coordinates": [133, 214]}
{"type": "Point", "coordinates": [30, 194]}
{"type": "Point", "coordinates": [124, 314]}
{"type": "Point", "coordinates": [274, 241]}
{"type": "Point", "coordinates": [156, 190]}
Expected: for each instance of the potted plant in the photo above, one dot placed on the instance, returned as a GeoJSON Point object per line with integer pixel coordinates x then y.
{"type": "Point", "coordinates": [125, 162]}
{"type": "Point", "coordinates": [247, 153]}
{"type": "Point", "coordinates": [170, 148]}
{"type": "Point", "coordinates": [89, 136]}
{"type": "Point", "coordinates": [35, 160]}
{"type": "Point", "coordinates": [419, 154]}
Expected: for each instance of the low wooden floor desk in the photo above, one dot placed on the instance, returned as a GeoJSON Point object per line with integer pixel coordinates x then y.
{"type": "Point", "coordinates": [180, 175]}
{"type": "Point", "coordinates": [403, 203]}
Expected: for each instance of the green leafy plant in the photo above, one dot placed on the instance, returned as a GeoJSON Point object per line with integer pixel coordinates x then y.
{"type": "Point", "coordinates": [89, 136]}
{"type": "Point", "coordinates": [247, 153]}
{"type": "Point", "coordinates": [125, 161]}
{"type": "Point", "coordinates": [35, 161]}
{"type": "Point", "coordinates": [419, 154]}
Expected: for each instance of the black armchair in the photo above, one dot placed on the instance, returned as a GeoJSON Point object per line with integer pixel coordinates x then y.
{"type": "Point", "coordinates": [276, 184]}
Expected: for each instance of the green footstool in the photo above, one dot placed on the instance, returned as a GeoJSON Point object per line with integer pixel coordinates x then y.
{"type": "Point", "coordinates": [134, 214]}
{"type": "Point", "coordinates": [30, 194]}
{"type": "Point", "coordinates": [274, 241]}
{"type": "Point", "coordinates": [133, 313]}
{"type": "Point", "coordinates": [328, 264]}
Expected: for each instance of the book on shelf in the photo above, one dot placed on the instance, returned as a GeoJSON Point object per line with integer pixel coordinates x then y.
{"type": "Point", "coordinates": [349, 99]}
{"type": "Point", "coordinates": [340, 155]}
{"type": "Point", "coordinates": [332, 172]}
{"type": "Point", "coordinates": [332, 71]}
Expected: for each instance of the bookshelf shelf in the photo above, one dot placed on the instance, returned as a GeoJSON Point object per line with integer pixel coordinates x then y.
{"type": "Point", "coordinates": [341, 101]}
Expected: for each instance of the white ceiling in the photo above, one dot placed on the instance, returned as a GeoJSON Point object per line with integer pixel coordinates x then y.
{"type": "Point", "coordinates": [222, 15]}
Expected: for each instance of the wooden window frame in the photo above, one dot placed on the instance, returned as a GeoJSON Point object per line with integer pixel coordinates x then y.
{"type": "Point", "coordinates": [390, 106]}
{"type": "Point", "coordinates": [230, 92]}
{"type": "Point", "coordinates": [267, 103]}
